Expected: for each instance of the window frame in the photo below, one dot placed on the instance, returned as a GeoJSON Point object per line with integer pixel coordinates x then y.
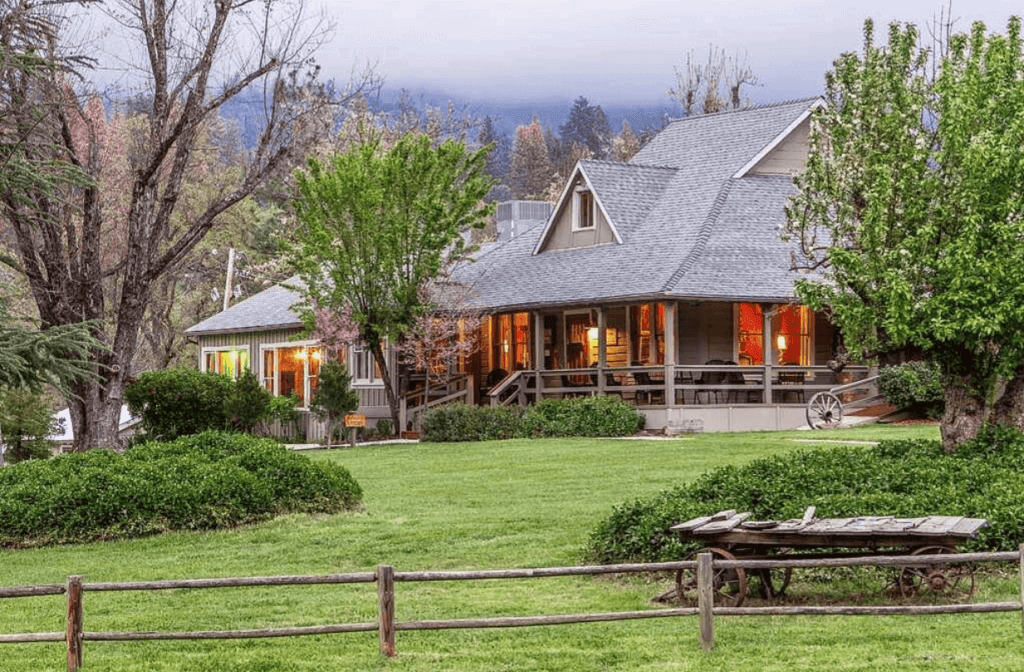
{"type": "Point", "coordinates": [206, 350]}
{"type": "Point", "coordinates": [359, 349]}
{"type": "Point", "coordinates": [276, 347]}
{"type": "Point", "coordinates": [580, 194]}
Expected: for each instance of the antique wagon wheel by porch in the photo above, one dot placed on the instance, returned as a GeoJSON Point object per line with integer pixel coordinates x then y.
{"type": "Point", "coordinates": [824, 410]}
{"type": "Point", "coordinates": [955, 580]}
{"type": "Point", "coordinates": [729, 586]}
{"type": "Point", "coordinates": [772, 583]}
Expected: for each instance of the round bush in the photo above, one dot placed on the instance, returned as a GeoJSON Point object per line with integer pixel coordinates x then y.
{"type": "Point", "coordinates": [199, 482]}
{"type": "Point", "coordinates": [915, 385]}
{"type": "Point", "coordinates": [176, 402]}
{"type": "Point", "coordinates": [460, 422]}
{"type": "Point", "coordinates": [907, 479]}
{"type": "Point", "coordinates": [582, 416]}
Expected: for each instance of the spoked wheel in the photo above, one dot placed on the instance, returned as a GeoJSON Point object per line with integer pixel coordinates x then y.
{"type": "Point", "coordinates": [729, 586]}
{"type": "Point", "coordinates": [772, 583]}
{"type": "Point", "coordinates": [948, 580]}
{"type": "Point", "coordinates": [824, 410]}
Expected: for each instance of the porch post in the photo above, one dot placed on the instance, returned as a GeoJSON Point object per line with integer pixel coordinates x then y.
{"type": "Point", "coordinates": [768, 350]}
{"type": "Point", "coordinates": [538, 347]}
{"type": "Point", "coordinates": [670, 353]}
{"type": "Point", "coordinates": [602, 347]}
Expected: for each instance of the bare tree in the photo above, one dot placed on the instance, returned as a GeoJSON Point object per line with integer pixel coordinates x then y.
{"type": "Point", "coordinates": [196, 57]}
{"type": "Point", "coordinates": [713, 85]}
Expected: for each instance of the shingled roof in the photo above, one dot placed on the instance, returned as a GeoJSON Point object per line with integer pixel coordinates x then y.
{"type": "Point", "coordinates": [689, 227]}
{"type": "Point", "coordinates": [692, 226]}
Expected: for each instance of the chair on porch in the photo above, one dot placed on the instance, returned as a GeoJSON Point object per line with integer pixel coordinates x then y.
{"type": "Point", "coordinates": [580, 391]}
{"type": "Point", "coordinates": [611, 386]}
{"type": "Point", "coordinates": [736, 378]}
{"type": "Point", "coordinates": [794, 379]}
{"type": "Point", "coordinates": [710, 378]}
{"type": "Point", "coordinates": [647, 396]}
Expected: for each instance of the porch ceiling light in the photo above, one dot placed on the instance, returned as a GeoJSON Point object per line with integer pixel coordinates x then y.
{"type": "Point", "coordinates": [301, 354]}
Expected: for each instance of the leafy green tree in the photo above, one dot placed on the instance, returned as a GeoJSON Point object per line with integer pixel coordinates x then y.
{"type": "Point", "coordinates": [911, 217]}
{"type": "Point", "coordinates": [26, 419]}
{"type": "Point", "coordinates": [377, 224]}
{"type": "Point", "coordinates": [334, 396]}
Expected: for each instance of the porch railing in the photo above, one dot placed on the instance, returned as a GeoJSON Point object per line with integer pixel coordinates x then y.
{"type": "Point", "coordinates": [683, 385]}
{"type": "Point", "coordinates": [415, 403]}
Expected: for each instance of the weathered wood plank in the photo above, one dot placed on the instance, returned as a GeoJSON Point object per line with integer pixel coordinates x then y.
{"type": "Point", "coordinates": [758, 524]}
{"type": "Point", "coordinates": [722, 525]}
{"type": "Point", "coordinates": [809, 513]}
{"type": "Point", "coordinates": [691, 524]}
{"type": "Point", "coordinates": [937, 525]}
{"type": "Point", "coordinates": [723, 515]}
{"type": "Point", "coordinates": [968, 527]}
{"type": "Point", "coordinates": [706, 600]}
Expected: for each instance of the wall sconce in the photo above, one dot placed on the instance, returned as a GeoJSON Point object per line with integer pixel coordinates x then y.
{"type": "Point", "coordinates": [301, 354]}
{"type": "Point", "coordinates": [317, 355]}
{"type": "Point", "coordinates": [780, 341]}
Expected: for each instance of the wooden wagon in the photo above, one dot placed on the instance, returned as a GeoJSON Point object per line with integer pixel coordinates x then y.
{"type": "Point", "coordinates": [729, 535]}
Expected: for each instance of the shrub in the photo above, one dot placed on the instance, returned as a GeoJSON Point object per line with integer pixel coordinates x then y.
{"type": "Point", "coordinates": [247, 404]}
{"type": "Point", "coordinates": [334, 396]}
{"type": "Point", "coordinates": [25, 421]}
{"type": "Point", "coordinates": [198, 482]}
{"type": "Point", "coordinates": [901, 478]}
{"type": "Point", "coordinates": [384, 427]}
{"type": "Point", "coordinates": [460, 422]}
{"type": "Point", "coordinates": [916, 385]}
{"type": "Point", "coordinates": [583, 416]}
{"type": "Point", "coordinates": [177, 402]}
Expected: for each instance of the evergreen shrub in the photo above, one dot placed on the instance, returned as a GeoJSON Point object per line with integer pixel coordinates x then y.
{"type": "Point", "coordinates": [907, 479]}
{"type": "Point", "coordinates": [247, 404]}
{"type": "Point", "coordinates": [913, 385]}
{"type": "Point", "coordinates": [461, 422]}
{"type": "Point", "coordinates": [178, 402]}
{"type": "Point", "coordinates": [199, 482]}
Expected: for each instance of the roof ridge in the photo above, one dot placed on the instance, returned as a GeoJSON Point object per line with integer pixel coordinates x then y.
{"type": "Point", "coordinates": [629, 164]}
{"type": "Point", "coordinates": [746, 108]}
{"type": "Point", "coordinates": [702, 236]}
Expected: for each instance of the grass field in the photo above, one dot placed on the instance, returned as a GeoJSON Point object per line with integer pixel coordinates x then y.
{"type": "Point", "coordinates": [464, 506]}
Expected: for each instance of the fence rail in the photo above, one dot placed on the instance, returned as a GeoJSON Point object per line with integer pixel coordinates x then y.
{"type": "Point", "coordinates": [385, 577]}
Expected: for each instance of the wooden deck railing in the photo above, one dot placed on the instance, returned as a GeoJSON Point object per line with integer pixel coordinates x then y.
{"type": "Point", "coordinates": [76, 590]}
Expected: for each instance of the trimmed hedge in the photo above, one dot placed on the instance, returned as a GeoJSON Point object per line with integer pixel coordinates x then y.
{"type": "Point", "coordinates": [200, 482]}
{"type": "Point", "coordinates": [908, 479]}
{"type": "Point", "coordinates": [583, 416]}
{"type": "Point", "coordinates": [178, 402]}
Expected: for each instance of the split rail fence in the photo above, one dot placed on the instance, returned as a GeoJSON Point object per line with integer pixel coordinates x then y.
{"type": "Point", "coordinates": [75, 589]}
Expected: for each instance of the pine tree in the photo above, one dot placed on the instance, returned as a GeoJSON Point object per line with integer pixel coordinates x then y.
{"type": "Point", "coordinates": [334, 396]}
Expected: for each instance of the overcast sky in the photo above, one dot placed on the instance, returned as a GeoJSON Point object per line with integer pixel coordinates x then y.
{"type": "Point", "coordinates": [539, 50]}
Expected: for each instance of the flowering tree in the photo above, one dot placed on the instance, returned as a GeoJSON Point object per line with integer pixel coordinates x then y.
{"type": "Point", "coordinates": [910, 214]}
{"type": "Point", "coordinates": [532, 171]}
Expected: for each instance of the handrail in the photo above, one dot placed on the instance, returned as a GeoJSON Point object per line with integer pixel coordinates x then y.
{"type": "Point", "coordinates": [850, 386]}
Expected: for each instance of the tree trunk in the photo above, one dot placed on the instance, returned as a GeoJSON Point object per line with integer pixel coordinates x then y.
{"type": "Point", "coordinates": [1009, 407]}
{"type": "Point", "coordinates": [389, 385]}
{"type": "Point", "coordinates": [967, 410]}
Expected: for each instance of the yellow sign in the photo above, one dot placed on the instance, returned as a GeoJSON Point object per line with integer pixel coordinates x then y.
{"type": "Point", "coordinates": [355, 420]}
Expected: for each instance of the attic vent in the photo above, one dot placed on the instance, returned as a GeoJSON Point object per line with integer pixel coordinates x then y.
{"type": "Point", "coordinates": [517, 217]}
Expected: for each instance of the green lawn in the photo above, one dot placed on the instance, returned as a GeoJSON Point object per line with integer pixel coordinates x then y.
{"type": "Point", "coordinates": [463, 506]}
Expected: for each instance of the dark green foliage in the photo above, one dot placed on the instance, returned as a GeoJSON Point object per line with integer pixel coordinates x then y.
{"type": "Point", "coordinates": [177, 402]}
{"type": "Point", "coordinates": [25, 421]}
{"type": "Point", "coordinates": [582, 416]}
{"type": "Point", "coordinates": [247, 403]}
{"type": "Point", "coordinates": [916, 385]}
{"type": "Point", "coordinates": [983, 479]}
{"type": "Point", "coordinates": [200, 482]}
{"type": "Point", "coordinates": [334, 394]}
{"type": "Point", "coordinates": [384, 427]}
{"type": "Point", "coordinates": [460, 422]}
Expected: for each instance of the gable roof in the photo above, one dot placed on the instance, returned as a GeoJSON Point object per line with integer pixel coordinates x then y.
{"type": "Point", "coordinates": [269, 309]}
{"type": "Point", "coordinates": [678, 209]}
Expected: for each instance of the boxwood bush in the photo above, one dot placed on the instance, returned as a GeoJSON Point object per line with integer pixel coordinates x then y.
{"type": "Point", "coordinates": [177, 402]}
{"type": "Point", "coordinates": [460, 422]}
{"type": "Point", "coordinates": [200, 482]}
{"type": "Point", "coordinates": [908, 479]}
{"type": "Point", "coordinates": [583, 416]}
{"type": "Point", "coordinates": [913, 385]}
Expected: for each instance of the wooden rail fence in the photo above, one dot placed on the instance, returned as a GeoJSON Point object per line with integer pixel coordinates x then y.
{"type": "Point", "coordinates": [385, 577]}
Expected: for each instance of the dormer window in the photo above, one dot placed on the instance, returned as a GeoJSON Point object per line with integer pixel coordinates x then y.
{"type": "Point", "coordinates": [583, 210]}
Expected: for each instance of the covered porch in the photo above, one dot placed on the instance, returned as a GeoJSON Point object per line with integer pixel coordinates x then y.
{"type": "Point", "coordinates": [687, 365]}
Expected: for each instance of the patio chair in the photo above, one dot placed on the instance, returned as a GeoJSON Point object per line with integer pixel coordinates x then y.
{"type": "Point", "coordinates": [710, 378]}
{"type": "Point", "coordinates": [792, 378]}
{"type": "Point", "coordinates": [647, 396]}
{"type": "Point", "coordinates": [736, 378]}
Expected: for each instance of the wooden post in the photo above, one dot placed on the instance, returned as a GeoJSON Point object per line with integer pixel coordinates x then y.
{"type": "Point", "coordinates": [352, 437]}
{"type": "Point", "coordinates": [670, 354]}
{"type": "Point", "coordinates": [602, 347]}
{"type": "Point", "coordinates": [1021, 549]}
{"type": "Point", "coordinates": [386, 617]}
{"type": "Point", "coordinates": [706, 601]}
{"type": "Point", "coordinates": [403, 411]}
{"type": "Point", "coordinates": [73, 630]}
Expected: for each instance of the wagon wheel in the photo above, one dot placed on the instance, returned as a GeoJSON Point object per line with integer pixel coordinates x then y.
{"type": "Point", "coordinates": [949, 580]}
{"type": "Point", "coordinates": [772, 583]}
{"type": "Point", "coordinates": [729, 586]}
{"type": "Point", "coordinates": [824, 410]}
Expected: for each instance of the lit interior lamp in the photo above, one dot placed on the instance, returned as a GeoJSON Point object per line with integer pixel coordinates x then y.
{"type": "Point", "coordinates": [780, 341]}
{"type": "Point", "coordinates": [592, 333]}
{"type": "Point", "coordinates": [505, 346]}
{"type": "Point", "coordinates": [301, 354]}
{"type": "Point", "coordinates": [316, 355]}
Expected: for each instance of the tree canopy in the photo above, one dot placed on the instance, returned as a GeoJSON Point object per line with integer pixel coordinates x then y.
{"type": "Point", "coordinates": [377, 224]}
{"type": "Point", "coordinates": [911, 216]}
